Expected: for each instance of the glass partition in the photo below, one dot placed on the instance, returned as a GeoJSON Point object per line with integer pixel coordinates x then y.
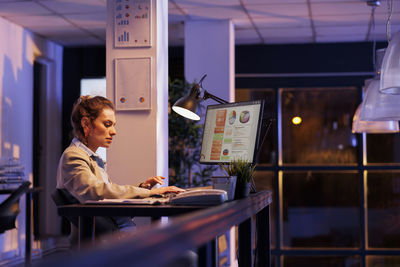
{"type": "Point", "coordinates": [383, 149]}
{"type": "Point", "coordinates": [321, 209]}
{"type": "Point", "coordinates": [316, 126]}
{"type": "Point", "coordinates": [383, 201]}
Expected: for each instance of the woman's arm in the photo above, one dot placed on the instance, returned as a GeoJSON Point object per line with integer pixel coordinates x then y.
{"type": "Point", "coordinates": [80, 175]}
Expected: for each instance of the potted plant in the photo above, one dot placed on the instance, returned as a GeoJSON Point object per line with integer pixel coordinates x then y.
{"type": "Point", "coordinates": [244, 171]}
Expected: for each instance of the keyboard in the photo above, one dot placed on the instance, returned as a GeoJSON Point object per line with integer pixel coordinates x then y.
{"type": "Point", "coordinates": [199, 197]}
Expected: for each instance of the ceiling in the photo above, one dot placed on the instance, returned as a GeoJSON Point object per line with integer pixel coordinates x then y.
{"type": "Point", "coordinates": [83, 22]}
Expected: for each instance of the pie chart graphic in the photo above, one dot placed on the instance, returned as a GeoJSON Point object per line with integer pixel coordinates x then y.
{"type": "Point", "coordinates": [232, 117]}
{"type": "Point", "coordinates": [244, 116]}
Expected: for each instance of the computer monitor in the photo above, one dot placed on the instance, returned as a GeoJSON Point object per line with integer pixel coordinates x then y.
{"type": "Point", "coordinates": [231, 131]}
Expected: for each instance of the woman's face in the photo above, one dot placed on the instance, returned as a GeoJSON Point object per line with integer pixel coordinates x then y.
{"type": "Point", "coordinates": [102, 130]}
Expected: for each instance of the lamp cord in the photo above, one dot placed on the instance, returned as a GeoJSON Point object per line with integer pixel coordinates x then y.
{"type": "Point", "coordinates": [388, 22]}
{"type": "Point", "coordinates": [373, 38]}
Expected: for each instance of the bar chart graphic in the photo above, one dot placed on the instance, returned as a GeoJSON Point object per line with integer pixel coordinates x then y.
{"type": "Point", "coordinates": [132, 23]}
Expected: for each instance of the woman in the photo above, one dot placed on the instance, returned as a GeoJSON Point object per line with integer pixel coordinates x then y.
{"type": "Point", "coordinates": [81, 172]}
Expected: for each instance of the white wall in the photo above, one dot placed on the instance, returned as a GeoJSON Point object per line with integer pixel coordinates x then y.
{"type": "Point", "coordinates": [18, 50]}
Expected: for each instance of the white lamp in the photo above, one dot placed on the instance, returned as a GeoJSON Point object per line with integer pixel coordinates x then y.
{"type": "Point", "coordinates": [377, 106]}
{"type": "Point", "coordinates": [361, 126]}
{"type": "Point", "coordinates": [390, 71]}
{"type": "Point", "coordinates": [376, 114]}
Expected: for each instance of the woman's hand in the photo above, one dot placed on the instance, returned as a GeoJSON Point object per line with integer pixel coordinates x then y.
{"type": "Point", "coordinates": [167, 189]}
{"type": "Point", "coordinates": [152, 181]}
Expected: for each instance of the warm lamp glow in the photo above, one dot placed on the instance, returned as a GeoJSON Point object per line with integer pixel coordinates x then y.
{"type": "Point", "coordinates": [187, 105]}
{"type": "Point", "coordinates": [186, 113]}
{"type": "Point", "coordinates": [296, 120]}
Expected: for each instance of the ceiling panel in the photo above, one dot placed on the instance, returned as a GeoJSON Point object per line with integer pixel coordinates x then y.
{"type": "Point", "coordinates": [279, 21]}
{"type": "Point", "coordinates": [337, 1]}
{"type": "Point", "coordinates": [204, 13]}
{"type": "Point", "coordinates": [341, 20]}
{"type": "Point", "coordinates": [340, 8]}
{"type": "Point", "coordinates": [284, 22]}
{"type": "Point", "coordinates": [33, 22]}
{"type": "Point", "coordinates": [12, 9]}
{"type": "Point", "coordinates": [94, 20]}
{"type": "Point", "coordinates": [264, 2]}
{"type": "Point", "coordinates": [206, 3]}
{"type": "Point", "coordinates": [277, 10]}
{"type": "Point", "coordinates": [74, 6]}
{"type": "Point", "coordinates": [341, 31]}
{"type": "Point", "coordinates": [67, 31]}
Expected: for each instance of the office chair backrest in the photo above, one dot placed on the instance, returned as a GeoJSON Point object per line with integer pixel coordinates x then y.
{"type": "Point", "coordinates": [62, 197]}
{"type": "Point", "coordinates": [9, 208]}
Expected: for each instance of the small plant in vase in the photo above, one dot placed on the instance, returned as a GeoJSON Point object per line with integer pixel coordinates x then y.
{"type": "Point", "coordinates": [244, 171]}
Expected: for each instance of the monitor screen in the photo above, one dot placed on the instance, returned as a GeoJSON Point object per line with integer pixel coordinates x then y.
{"type": "Point", "coordinates": [231, 131]}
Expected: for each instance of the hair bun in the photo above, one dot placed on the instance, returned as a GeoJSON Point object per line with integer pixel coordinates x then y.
{"type": "Point", "coordinates": [83, 98]}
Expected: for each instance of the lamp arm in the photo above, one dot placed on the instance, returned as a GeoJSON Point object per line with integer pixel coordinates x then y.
{"type": "Point", "coordinates": [207, 95]}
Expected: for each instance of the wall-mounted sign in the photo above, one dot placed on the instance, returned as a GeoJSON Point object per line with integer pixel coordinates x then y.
{"type": "Point", "coordinates": [132, 83]}
{"type": "Point", "coordinates": [132, 23]}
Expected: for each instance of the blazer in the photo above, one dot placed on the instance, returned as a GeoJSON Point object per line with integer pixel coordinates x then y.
{"type": "Point", "coordinates": [80, 175]}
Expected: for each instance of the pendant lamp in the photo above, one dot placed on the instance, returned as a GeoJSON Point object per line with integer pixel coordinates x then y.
{"type": "Point", "coordinates": [361, 126]}
{"type": "Point", "coordinates": [390, 78]}
{"type": "Point", "coordinates": [376, 113]}
{"type": "Point", "coordinates": [377, 106]}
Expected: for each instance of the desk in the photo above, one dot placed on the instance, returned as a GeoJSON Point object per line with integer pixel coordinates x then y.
{"type": "Point", "coordinates": [195, 228]}
{"type": "Point", "coordinates": [87, 213]}
{"type": "Point", "coordinates": [28, 222]}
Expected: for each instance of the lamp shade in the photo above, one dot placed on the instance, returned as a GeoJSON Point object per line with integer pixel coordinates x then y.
{"type": "Point", "coordinates": [390, 78]}
{"type": "Point", "coordinates": [379, 107]}
{"type": "Point", "coordinates": [361, 126]}
{"type": "Point", "coordinates": [186, 106]}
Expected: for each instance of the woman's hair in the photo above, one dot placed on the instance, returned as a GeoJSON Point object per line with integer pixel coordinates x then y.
{"type": "Point", "coordinates": [90, 107]}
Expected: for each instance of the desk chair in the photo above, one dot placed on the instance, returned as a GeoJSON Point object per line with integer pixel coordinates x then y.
{"type": "Point", "coordinates": [9, 208]}
{"type": "Point", "coordinates": [104, 225]}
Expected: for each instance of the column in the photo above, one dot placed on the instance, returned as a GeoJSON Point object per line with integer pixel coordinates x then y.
{"type": "Point", "coordinates": [140, 148]}
{"type": "Point", "coordinates": [210, 49]}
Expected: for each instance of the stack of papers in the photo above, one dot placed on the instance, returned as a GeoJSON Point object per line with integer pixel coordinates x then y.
{"type": "Point", "coordinates": [139, 201]}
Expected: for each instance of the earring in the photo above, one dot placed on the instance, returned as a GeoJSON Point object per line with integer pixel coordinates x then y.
{"type": "Point", "coordinates": [85, 138]}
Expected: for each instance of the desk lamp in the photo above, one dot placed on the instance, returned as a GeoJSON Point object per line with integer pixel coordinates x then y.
{"type": "Point", "coordinates": [187, 105]}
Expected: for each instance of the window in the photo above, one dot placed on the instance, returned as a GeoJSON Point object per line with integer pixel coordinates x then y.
{"type": "Point", "coordinates": [323, 137]}
{"type": "Point", "coordinates": [336, 194]}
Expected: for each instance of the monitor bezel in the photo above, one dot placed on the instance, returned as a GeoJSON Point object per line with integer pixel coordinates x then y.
{"type": "Point", "coordinates": [258, 131]}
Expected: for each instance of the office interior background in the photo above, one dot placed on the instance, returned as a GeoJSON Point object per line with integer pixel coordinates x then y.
{"type": "Point", "coordinates": [336, 193]}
